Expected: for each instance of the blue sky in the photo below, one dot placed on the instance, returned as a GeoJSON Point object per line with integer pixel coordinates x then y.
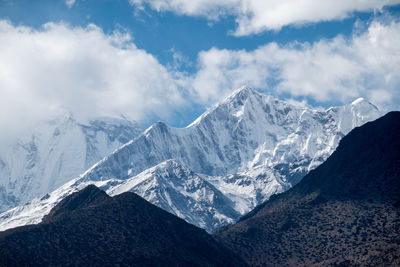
{"type": "Point", "coordinates": [160, 33]}
{"type": "Point", "coordinates": [187, 57]}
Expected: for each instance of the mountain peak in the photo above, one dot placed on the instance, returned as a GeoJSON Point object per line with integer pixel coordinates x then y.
{"type": "Point", "coordinates": [236, 99]}
{"type": "Point", "coordinates": [361, 101]}
{"type": "Point", "coordinates": [167, 166]}
{"type": "Point", "coordinates": [88, 196]}
{"type": "Point", "coordinates": [358, 100]}
{"type": "Point", "coordinates": [242, 93]}
{"type": "Point", "coordinates": [244, 88]}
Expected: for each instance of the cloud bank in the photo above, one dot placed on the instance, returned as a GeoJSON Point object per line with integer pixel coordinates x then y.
{"type": "Point", "coordinates": [337, 70]}
{"type": "Point", "coordinates": [255, 16]}
{"type": "Point", "coordinates": [81, 70]}
{"type": "Point", "coordinates": [90, 73]}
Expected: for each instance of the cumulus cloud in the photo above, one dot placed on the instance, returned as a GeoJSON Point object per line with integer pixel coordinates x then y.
{"type": "Point", "coordinates": [337, 70]}
{"type": "Point", "coordinates": [255, 16]}
{"type": "Point", "coordinates": [81, 70]}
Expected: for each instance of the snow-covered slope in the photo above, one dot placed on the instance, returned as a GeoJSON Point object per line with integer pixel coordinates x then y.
{"type": "Point", "coordinates": [56, 152]}
{"type": "Point", "coordinates": [233, 157]}
{"type": "Point", "coordinates": [180, 191]}
{"type": "Point", "coordinates": [168, 185]}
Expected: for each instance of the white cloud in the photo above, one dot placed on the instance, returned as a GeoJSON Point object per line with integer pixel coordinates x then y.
{"type": "Point", "coordinates": [70, 3]}
{"type": "Point", "coordinates": [92, 74]}
{"type": "Point", "coordinates": [255, 16]}
{"type": "Point", "coordinates": [82, 70]}
{"type": "Point", "coordinates": [337, 70]}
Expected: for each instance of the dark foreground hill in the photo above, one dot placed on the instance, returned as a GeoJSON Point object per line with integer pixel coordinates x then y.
{"type": "Point", "coordinates": [89, 228]}
{"type": "Point", "coordinates": [346, 212]}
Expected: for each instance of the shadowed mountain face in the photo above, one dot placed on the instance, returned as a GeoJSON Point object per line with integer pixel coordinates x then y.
{"type": "Point", "coordinates": [91, 228]}
{"type": "Point", "coordinates": [347, 211]}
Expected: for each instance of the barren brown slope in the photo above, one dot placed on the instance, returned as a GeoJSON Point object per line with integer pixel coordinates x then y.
{"type": "Point", "coordinates": [345, 212]}
{"type": "Point", "coordinates": [89, 228]}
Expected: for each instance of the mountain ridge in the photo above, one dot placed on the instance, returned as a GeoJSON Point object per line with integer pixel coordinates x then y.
{"type": "Point", "coordinates": [247, 148]}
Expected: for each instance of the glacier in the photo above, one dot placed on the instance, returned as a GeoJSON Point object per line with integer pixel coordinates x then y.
{"type": "Point", "coordinates": [232, 158]}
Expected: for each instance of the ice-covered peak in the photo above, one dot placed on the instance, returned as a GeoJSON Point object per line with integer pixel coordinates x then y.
{"type": "Point", "coordinates": [240, 94]}
{"type": "Point", "coordinates": [232, 104]}
{"type": "Point", "coordinates": [363, 106]}
{"type": "Point", "coordinates": [236, 98]}
{"type": "Point", "coordinates": [244, 101]}
{"type": "Point", "coordinates": [354, 114]}
{"type": "Point", "coordinates": [358, 101]}
{"type": "Point", "coordinates": [247, 102]}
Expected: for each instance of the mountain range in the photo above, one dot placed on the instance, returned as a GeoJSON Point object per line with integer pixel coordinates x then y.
{"type": "Point", "coordinates": [210, 173]}
{"type": "Point", "coordinates": [346, 212]}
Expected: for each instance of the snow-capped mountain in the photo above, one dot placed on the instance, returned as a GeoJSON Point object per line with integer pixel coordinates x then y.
{"type": "Point", "coordinates": [180, 191]}
{"type": "Point", "coordinates": [233, 157]}
{"type": "Point", "coordinates": [56, 152]}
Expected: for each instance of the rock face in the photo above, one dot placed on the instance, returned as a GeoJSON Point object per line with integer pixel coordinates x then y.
{"type": "Point", "coordinates": [56, 152]}
{"type": "Point", "coordinates": [345, 212]}
{"type": "Point", "coordinates": [232, 158]}
{"type": "Point", "coordinates": [89, 228]}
